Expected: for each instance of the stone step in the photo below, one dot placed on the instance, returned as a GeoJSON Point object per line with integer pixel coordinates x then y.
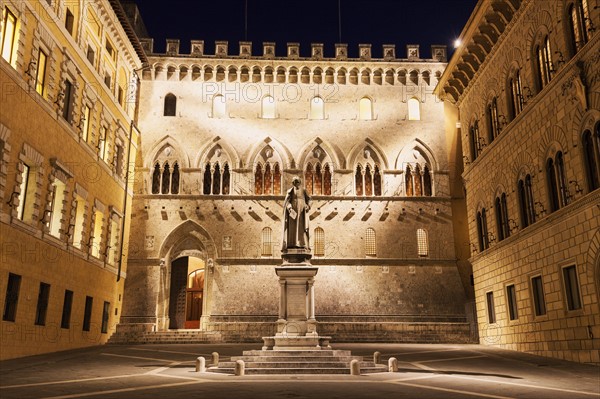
{"type": "Point", "coordinates": [286, 365]}
{"type": "Point", "coordinates": [346, 359]}
{"type": "Point", "coordinates": [274, 353]}
{"type": "Point", "coordinates": [322, 370]}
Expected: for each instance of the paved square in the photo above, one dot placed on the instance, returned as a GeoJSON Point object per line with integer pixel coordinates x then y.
{"type": "Point", "coordinates": [167, 371]}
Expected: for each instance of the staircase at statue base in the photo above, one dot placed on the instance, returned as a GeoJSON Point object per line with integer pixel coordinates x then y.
{"type": "Point", "coordinates": [325, 361]}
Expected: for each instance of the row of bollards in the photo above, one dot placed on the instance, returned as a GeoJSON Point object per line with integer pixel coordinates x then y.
{"type": "Point", "coordinates": [240, 366]}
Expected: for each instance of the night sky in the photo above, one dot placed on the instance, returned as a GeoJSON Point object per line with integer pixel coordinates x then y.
{"type": "Point", "coordinates": [400, 22]}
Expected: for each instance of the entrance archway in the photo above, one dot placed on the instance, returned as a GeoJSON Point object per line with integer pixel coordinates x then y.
{"type": "Point", "coordinates": [186, 292]}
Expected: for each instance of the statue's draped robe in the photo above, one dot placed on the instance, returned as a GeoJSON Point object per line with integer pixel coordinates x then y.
{"type": "Point", "coordinates": [295, 231]}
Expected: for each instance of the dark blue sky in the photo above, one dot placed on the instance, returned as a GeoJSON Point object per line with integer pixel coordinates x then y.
{"type": "Point", "coordinates": [378, 22]}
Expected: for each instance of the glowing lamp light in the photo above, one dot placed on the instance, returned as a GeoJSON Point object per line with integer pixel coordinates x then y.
{"type": "Point", "coordinates": [457, 43]}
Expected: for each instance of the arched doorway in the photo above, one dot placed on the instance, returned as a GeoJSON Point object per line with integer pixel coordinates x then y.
{"type": "Point", "coordinates": [186, 292]}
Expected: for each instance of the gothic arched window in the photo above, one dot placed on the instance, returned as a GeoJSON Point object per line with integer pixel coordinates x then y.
{"type": "Point", "coordinates": [358, 181]}
{"type": "Point", "coordinates": [377, 181]}
{"type": "Point", "coordinates": [207, 180]}
{"type": "Point", "coordinates": [368, 181]}
{"type": "Point", "coordinates": [166, 179]}
{"type": "Point", "coordinates": [276, 179]}
{"type": "Point", "coordinates": [175, 179]}
{"type": "Point", "coordinates": [308, 178]}
{"type": "Point", "coordinates": [427, 186]}
{"type": "Point", "coordinates": [216, 188]}
{"type": "Point", "coordinates": [258, 180]}
{"type": "Point", "coordinates": [408, 182]}
{"type": "Point", "coordinates": [156, 179]}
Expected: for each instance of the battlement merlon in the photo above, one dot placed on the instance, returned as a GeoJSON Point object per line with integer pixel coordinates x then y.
{"type": "Point", "coordinates": [439, 52]}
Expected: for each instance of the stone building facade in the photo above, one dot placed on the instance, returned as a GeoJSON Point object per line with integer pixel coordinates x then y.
{"type": "Point", "coordinates": [67, 111]}
{"type": "Point", "coordinates": [224, 134]}
{"type": "Point", "coordinates": [524, 88]}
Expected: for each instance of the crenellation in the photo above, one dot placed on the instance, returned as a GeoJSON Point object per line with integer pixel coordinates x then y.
{"type": "Point", "coordinates": [438, 52]}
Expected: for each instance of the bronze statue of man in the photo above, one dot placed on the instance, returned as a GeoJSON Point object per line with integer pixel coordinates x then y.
{"type": "Point", "coordinates": [295, 217]}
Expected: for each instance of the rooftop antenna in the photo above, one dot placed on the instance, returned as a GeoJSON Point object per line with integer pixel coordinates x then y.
{"type": "Point", "coordinates": [340, 20]}
{"type": "Point", "coordinates": [246, 21]}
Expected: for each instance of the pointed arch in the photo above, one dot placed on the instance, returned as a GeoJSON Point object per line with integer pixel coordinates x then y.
{"type": "Point", "coordinates": [160, 146]}
{"type": "Point", "coordinates": [406, 154]}
{"type": "Point", "coordinates": [252, 155]}
{"type": "Point", "coordinates": [208, 152]}
{"type": "Point", "coordinates": [356, 154]}
{"type": "Point", "coordinates": [331, 151]}
{"type": "Point", "coordinates": [188, 232]}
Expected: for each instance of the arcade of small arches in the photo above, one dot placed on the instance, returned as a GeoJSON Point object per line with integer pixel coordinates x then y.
{"type": "Point", "coordinates": [292, 74]}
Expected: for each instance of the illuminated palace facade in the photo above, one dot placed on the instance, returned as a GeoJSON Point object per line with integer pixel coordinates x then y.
{"type": "Point", "coordinates": [224, 134]}
{"type": "Point", "coordinates": [524, 87]}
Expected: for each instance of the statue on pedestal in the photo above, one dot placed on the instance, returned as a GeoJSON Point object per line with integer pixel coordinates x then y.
{"type": "Point", "coordinates": [296, 237]}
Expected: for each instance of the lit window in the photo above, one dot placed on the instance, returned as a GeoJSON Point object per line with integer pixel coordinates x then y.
{"type": "Point", "coordinates": [491, 311]}
{"type": "Point", "coordinates": [414, 110]}
{"type": "Point", "coordinates": [79, 221]}
{"type": "Point", "coordinates": [370, 242]}
{"type": "Point", "coordinates": [102, 152]}
{"type": "Point", "coordinates": [40, 75]}
{"type": "Point", "coordinates": [97, 234]}
{"type": "Point", "coordinates": [12, 297]}
{"type": "Point", "coordinates": [511, 303]}
{"type": "Point", "coordinates": [358, 179]}
{"type": "Point", "coordinates": [579, 23]}
{"type": "Point", "coordinates": [366, 109]}
{"type": "Point", "coordinates": [526, 202]}
{"type": "Point", "coordinates": [9, 36]}
{"type": "Point", "coordinates": [316, 108]}
{"type": "Point", "coordinates": [493, 120]}
{"type": "Point", "coordinates": [113, 240]}
{"type": "Point", "coordinates": [23, 191]}
{"type": "Point", "coordinates": [319, 242]}
{"type": "Point", "coordinates": [544, 63]}
{"type": "Point", "coordinates": [268, 107]}
{"type": "Point", "coordinates": [516, 94]}
{"type": "Point", "coordinates": [218, 105]}
{"type": "Point", "coordinates": [539, 302]}
{"type": "Point", "coordinates": [119, 159]}
{"type": "Point", "coordinates": [57, 206]}
{"type": "Point", "coordinates": [85, 123]}
{"type": "Point", "coordinates": [267, 245]}
{"type": "Point", "coordinates": [42, 304]}
{"type": "Point", "coordinates": [170, 106]}
{"type": "Point", "coordinates": [475, 141]}
{"type": "Point", "coordinates": [571, 287]}
{"type": "Point", "coordinates": [422, 242]}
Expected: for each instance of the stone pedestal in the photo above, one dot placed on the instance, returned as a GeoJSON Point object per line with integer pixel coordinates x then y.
{"type": "Point", "coordinates": [296, 325]}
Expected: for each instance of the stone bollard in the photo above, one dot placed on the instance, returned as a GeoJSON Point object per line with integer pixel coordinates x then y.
{"type": "Point", "coordinates": [377, 357]}
{"type": "Point", "coordinates": [392, 365]}
{"type": "Point", "coordinates": [355, 367]}
{"type": "Point", "coordinates": [215, 358]}
{"type": "Point", "coordinates": [240, 367]}
{"type": "Point", "coordinates": [201, 365]}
